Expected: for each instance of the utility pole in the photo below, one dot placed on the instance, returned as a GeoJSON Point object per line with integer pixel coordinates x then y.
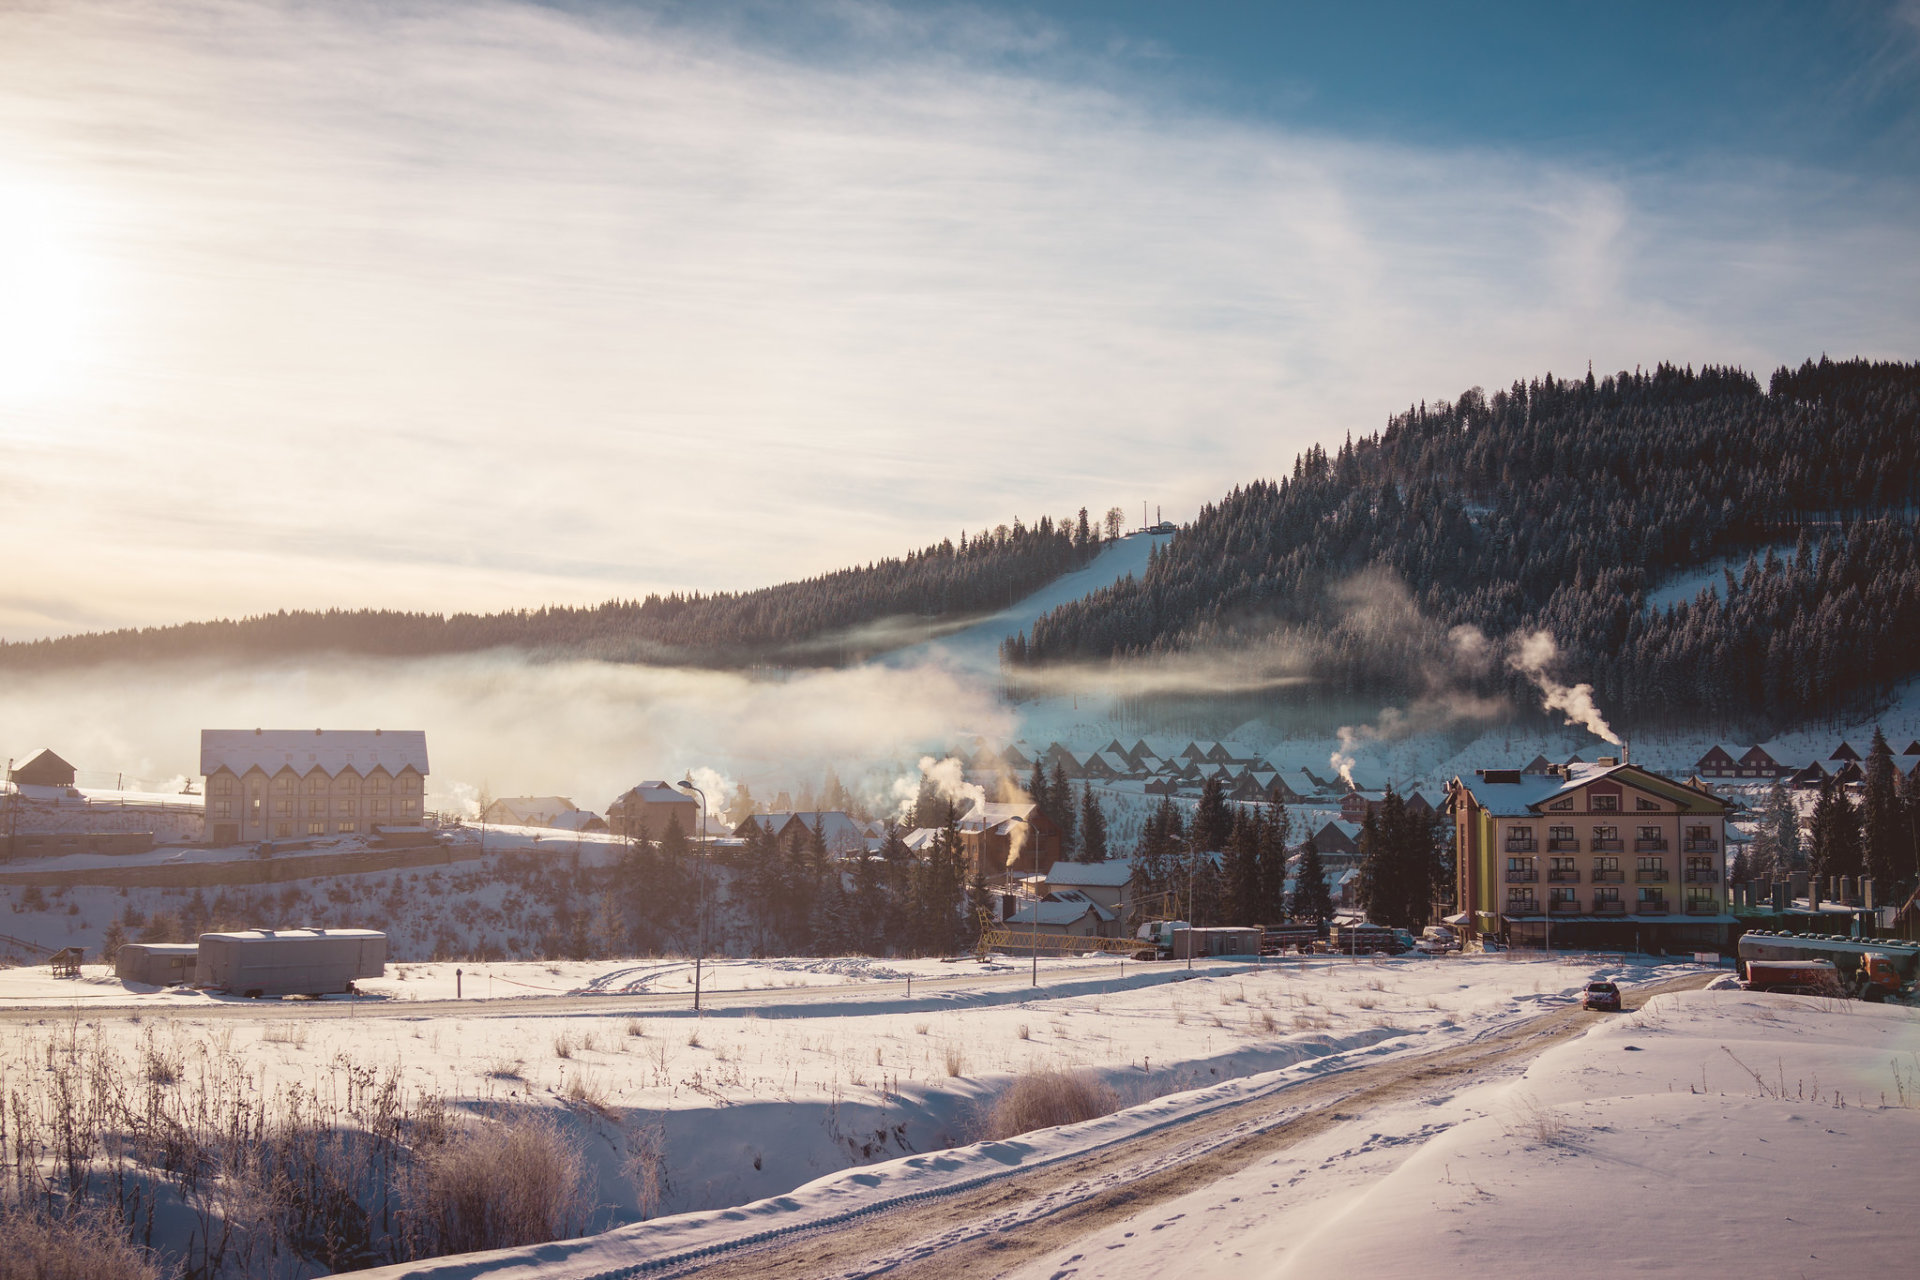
{"type": "Point", "coordinates": [700, 951]}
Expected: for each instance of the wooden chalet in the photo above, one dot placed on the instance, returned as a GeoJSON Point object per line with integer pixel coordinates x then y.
{"type": "Point", "coordinates": [1542, 765]}
{"type": "Point", "coordinates": [1717, 763]}
{"type": "Point", "coordinates": [1808, 778]}
{"type": "Point", "coordinates": [45, 770]}
{"type": "Point", "coordinates": [1845, 752]}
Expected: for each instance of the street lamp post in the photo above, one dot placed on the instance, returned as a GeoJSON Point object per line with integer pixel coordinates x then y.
{"type": "Point", "coordinates": [700, 950]}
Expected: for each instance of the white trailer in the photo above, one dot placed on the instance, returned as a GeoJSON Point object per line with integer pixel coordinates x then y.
{"type": "Point", "coordinates": [288, 962]}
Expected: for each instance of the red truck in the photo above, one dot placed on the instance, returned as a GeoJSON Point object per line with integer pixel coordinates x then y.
{"type": "Point", "coordinates": [1795, 977]}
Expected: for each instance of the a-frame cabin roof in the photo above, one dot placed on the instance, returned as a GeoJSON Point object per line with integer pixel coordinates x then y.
{"type": "Point", "coordinates": [1844, 751]}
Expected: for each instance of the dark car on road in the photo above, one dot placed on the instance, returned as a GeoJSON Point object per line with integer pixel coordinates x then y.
{"type": "Point", "coordinates": [1601, 995]}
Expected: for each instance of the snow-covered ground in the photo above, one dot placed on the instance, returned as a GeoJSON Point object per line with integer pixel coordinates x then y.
{"type": "Point", "coordinates": [1711, 1133]}
{"type": "Point", "coordinates": [782, 1082]}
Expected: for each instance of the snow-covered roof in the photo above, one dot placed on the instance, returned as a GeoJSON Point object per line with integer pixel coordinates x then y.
{"type": "Point", "coordinates": [1090, 875]}
{"type": "Point", "coordinates": [1522, 799]}
{"type": "Point", "coordinates": [920, 839]}
{"type": "Point", "coordinates": [995, 817]}
{"type": "Point", "coordinates": [304, 750]}
{"type": "Point", "coordinates": [529, 811]}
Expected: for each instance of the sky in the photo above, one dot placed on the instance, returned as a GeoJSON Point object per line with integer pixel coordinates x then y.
{"type": "Point", "coordinates": [475, 306]}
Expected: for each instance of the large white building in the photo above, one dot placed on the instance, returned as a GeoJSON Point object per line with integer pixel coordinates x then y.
{"type": "Point", "coordinates": [278, 784]}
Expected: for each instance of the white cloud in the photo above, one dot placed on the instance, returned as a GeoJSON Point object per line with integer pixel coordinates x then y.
{"type": "Point", "coordinates": [474, 306]}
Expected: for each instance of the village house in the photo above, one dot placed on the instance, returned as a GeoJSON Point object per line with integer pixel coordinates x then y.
{"type": "Point", "coordinates": [1568, 834]}
{"type": "Point", "coordinates": [45, 769]}
{"type": "Point", "coordinates": [649, 807]}
{"type": "Point", "coordinates": [1009, 838]}
{"type": "Point", "coordinates": [1105, 883]}
{"type": "Point", "coordinates": [277, 784]}
{"type": "Point", "coordinates": [1065, 913]}
{"type": "Point", "coordinates": [541, 811]}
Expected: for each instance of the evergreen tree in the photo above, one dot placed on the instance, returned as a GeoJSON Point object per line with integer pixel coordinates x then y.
{"type": "Point", "coordinates": [1207, 892]}
{"type": "Point", "coordinates": [1881, 817]}
{"type": "Point", "coordinates": [1212, 820]}
{"type": "Point", "coordinates": [1060, 797]}
{"type": "Point", "coordinates": [1272, 857]}
{"type": "Point", "coordinates": [1241, 868]}
{"type": "Point", "coordinates": [1312, 899]}
{"type": "Point", "coordinates": [1093, 828]}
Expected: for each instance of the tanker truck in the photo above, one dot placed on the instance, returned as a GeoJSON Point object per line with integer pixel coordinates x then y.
{"type": "Point", "coordinates": [1866, 968]}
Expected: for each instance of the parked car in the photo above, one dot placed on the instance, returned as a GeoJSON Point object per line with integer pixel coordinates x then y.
{"type": "Point", "coordinates": [1436, 940]}
{"type": "Point", "coordinates": [1604, 996]}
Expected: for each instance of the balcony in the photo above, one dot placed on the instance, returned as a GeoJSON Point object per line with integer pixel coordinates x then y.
{"type": "Point", "coordinates": [1613, 908]}
{"type": "Point", "coordinates": [1652, 908]}
{"type": "Point", "coordinates": [1566, 907]}
{"type": "Point", "coordinates": [1563, 846]}
{"type": "Point", "coordinates": [1523, 906]}
{"type": "Point", "coordinates": [1650, 875]}
{"type": "Point", "coordinates": [1523, 877]}
{"type": "Point", "coordinates": [1606, 846]}
{"type": "Point", "coordinates": [1563, 877]}
{"type": "Point", "coordinates": [1521, 846]}
{"type": "Point", "coordinates": [1703, 907]}
{"type": "Point", "coordinates": [1649, 846]}
{"type": "Point", "coordinates": [1701, 846]}
{"type": "Point", "coordinates": [1616, 876]}
{"type": "Point", "coordinates": [1702, 875]}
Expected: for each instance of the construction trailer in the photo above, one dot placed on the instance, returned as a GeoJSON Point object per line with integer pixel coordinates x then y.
{"type": "Point", "coordinates": [159, 964]}
{"type": "Point", "coordinates": [290, 962]}
{"type": "Point", "coordinates": [1216, 942]}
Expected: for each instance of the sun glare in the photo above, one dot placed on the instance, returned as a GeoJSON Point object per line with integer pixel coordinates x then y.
{"type": "Point", "coordinates": [47, 286]}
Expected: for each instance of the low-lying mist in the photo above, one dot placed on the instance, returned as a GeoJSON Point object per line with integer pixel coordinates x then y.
{"type": "Point", "coordinates": [583, 729]}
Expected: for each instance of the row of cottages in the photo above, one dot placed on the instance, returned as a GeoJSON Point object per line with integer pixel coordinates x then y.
{"type": "Point", "coordinates": [1277, 778]}
{"type": "Point", "coordinates": [555, 812]}
{"type": "Point", "coordinates": [1761, 763]}
{"type": "Point", "coordinates": [1607, 855]}
{"type": "Point", "coordinates": [276, 784]}
{"type": "Point", "coordinates": [844, 835]}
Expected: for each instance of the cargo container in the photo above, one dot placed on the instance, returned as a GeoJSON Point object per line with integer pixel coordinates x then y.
{"type": "Point", "coordinates": [285, 962]}
{"type": "Point", "coordinates": [1794, 977]}
{"type": "Point", "coordinates": [161, 964]}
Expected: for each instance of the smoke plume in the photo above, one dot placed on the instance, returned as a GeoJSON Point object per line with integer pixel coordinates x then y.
{"type": "Point", "coordinates": [1531, 659]}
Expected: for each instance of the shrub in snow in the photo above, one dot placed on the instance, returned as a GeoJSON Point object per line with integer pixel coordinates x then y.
{"type": "Point", "coordinates": [1043, 1099]}
{"type": "Point", "coordinates": [502, 1184]}
{"type": "Point", "coordinates": [82, 1246]}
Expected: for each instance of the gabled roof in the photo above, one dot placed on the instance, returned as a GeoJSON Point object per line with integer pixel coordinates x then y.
{"type": "Point", "coordinates": [1529, 794]}
{"type": "Point", "coordinates": [1844, 752]}
{"type": "Point", "coordinates": [1540, 764]}
{"type": "Point", "coordinates": [45, 769]}
{"type": "Point", "coordinates": [529, 811]}
{"type": "Point", "coordinates": [1913, 748]}
{"type": "Point", "coordinates": [1096, 875]}
{"type": "Point", "coordinates": [304, 750]}
{"type": "Point", "coordinates": [656, 791]}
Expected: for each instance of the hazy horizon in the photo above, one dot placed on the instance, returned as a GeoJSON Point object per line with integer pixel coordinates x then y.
{"type": "Point", "coordinates": [444, 307]}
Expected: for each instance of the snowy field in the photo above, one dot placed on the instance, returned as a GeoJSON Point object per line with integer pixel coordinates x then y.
{"type": "Point", "coordinates": [805, 1067]}
{"type": "Point", "coordinates": [1711, 1133]}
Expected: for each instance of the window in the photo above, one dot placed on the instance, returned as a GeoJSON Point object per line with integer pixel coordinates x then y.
{"type": "Point", "coordinates": [1605, 895]}
{"type": "Point", "coordinates": [283, 808]}
{"type": "Point", "coordinates": [1653, 895]}
{"type": "Point", "coordinates": [1520, 900]}
{"type": "Point", "coordinates": [1519, 864]}
{"type": "Point", "coordinates": [1562, 866]}
{"type": "Point", "coordinates": [345, 828]}
{"type": "Point", "coordinates": [1559, 833]}
{"type": "Point", "coordinates": [410, 808]}
{"type": "Point", "coordinates": [316, 809]}
{"type": "Point", "coordinates": [1651, 833]}
{"type": "Point", "coordinates": [348, 782]}
{"type": "Point", "coordinates": [1608, 863]}
{"type": "Point", "coordinates": [377, 784]}
{"type": "Point", "coordinates": [1519, 835]}
{"type": "Point", "coordinates": [281, 830]}
{"type": "Point", "coordinates": [1645, 805]}
{"type": "Point", "coordinates": [283, 784]}
{"type": "Point", "coordinates": [1563, 897]}
{"type": "Point", "coordinates": [377, 808]}
{"type": "Point", "coordinates": [316, 783]}
{"type": "Point", "coordinates": [1652, 863]}
{"type": "Point", "coordinates": [223, 808]}
{"type": "Point", "coordinates": [1700, 897]}
{"type": "Point", "coordinates": [1562, 804]}
{"type": "Point", "coordinates": [410, 783]}
{"type": "Point", "coordinates": [346, 808]}
{"type": "Point", "coordinates": [223, 785]}
{"type": "Point", "coordinates": [316, 828]}
{"type": "Point", "coordinates": [1606, 804]}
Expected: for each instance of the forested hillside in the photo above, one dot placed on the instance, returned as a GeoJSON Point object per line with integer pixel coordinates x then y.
{"type": "Point", "coordinates": [824, 619]}
{"type": "Point", "coordinates": [1557, 505]}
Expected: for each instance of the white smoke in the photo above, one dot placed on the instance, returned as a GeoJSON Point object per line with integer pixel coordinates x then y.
{"type": "Point", "coordinates": [949, 778]}
{"type": "Point", "coordinates": [719, 792]}
{"type": "Point", "coordinates": [1535, 653]}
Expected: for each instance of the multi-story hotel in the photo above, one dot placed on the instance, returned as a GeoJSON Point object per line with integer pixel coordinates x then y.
{"type": "Point", "coordinates": [1603, 855]}
{"type": "Point", "coordinates": [278, 784]}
